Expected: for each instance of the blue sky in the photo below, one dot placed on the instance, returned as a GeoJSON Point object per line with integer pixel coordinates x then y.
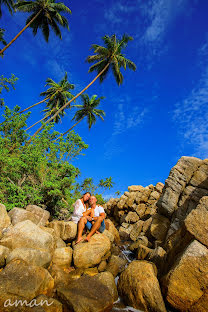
{"type": "Point", "coordinates": [160, 111]}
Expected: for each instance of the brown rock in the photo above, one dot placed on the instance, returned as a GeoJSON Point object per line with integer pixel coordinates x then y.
{"type": "Point", "coordinates": [18, 280]}
{"type": "Point", "coordinates": [197, 221]}
{"type": "Point", "coordinates": [29, 235]}
{"type": "Point", "coordinates": [141, 240]}
{"type": "Point", "coordinates": [143, 252]}
{"type": "Point", "coordinates": [116, 265]}
{"type": "Point", "coordinates": [4, 218]}
{"type": "Point", "coordinates": [89, 254]}
{"type": "Point", "coordinates": [65, 230]}
{"type": "Point", "coordinates": [107, 279]}
{"type": "Point", "coordinates": [4, 252]}
{"type": "Point", "coordinates": [31, 256]}
{"type": "Point", "coordinates": [86, 294]}
{"type": "Point", "coordinates": [62, 256]}
{"type": "Point", "coordinates": [132, 217]}
{"type": "Point", "coordinates": [187, 281]}
{"type": "Point", "coordinates": [136, 230]}
{"type": "Point", "coordinates": [159, 227]}
{"type": "Point", "coordinates": [41, 214]}
{"type": "Point", "coordinates": [112, 229]}
{"type": "Point", "coordinates": [146, 226]}
{"type": "Point", "coordinates": [102, 266]}
{"type": "Point", "coordinates": [135, 188]}
{"type": "Point", "coordinates": [139, 287]}
{"type": "Point", "coordinates": [125, 230]}
{"type": "Point", "coordinates": [20, 214]}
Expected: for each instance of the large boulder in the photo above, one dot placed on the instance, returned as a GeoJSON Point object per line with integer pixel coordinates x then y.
{"type": "Point", "coordinates": [186, 284]}
{"type": "Point", "coordinates": [107, 279]}
{"type": "Point", "coordinates": [18, 280]}
{"type": "Point", "coordinates": [139, 287]}
{"type": "Point", "coordinates": [65, 230]}
{"type": "Point", "coordinates": [41, 215]}
{"type": "Point", "coordinates": [29, 235]}
{"type": "Point", "coordinates": [19, 214]}
{"type": "Point", "coordinates": [86, 294]}
{"type": "Point", "coordinates": [179, 177]}
{"type": "Point", "coordinates": [43, 303]}
{"type": "Point", "coordinates": [196, 222]}
{"type": "Point", "coordinates": [62, 256]}
{"type": "Point", "coordinates": [5, 220]}
{"type": "Point", "coordinates": [159, 227]}
{"type": "Point", "coordinates": [89, 254]}
{"type": "Point", "coordinates": [31, 256]}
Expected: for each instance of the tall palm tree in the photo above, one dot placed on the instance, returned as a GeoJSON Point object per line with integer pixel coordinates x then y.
{"type": "Point", "coordinates": [57, 94]}
{"type": "Point", "coordinates": [107, 183]}
{"type": "Point", "coordinates": [108, 57]}
{"type": "Point", "coordinates": [2, 36]}
{"type": "Point", "coordinates": [9, 4]}
{"type": "Point", "coordinates": [87, 109]}
{"type": "Point", "coordinates": [45, 13]}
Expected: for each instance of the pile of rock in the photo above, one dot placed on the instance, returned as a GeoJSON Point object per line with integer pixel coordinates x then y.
{"type": "Point", "coordinates": [40, 261]}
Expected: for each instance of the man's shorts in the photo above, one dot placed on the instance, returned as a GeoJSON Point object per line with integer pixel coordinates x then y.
{"type": "Point", "coordinates": [101, 229]}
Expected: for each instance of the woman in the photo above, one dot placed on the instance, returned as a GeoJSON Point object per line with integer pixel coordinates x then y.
{"type": "Point", "coordinates": [80, 207]}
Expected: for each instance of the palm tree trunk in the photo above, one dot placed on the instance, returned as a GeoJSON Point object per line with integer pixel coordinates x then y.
{"type": "Point", "coordinates": [24, 110]}
{"type": "Point", "coordinates": [64, 106]}
{"type": "Point", "coordinates": [70, 128]}
{"type": "Point", "coordinates": [36, 123]}
{"type": "Point", "coordinates": [15, 38]}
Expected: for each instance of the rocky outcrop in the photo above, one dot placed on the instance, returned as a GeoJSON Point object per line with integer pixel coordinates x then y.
{"type": "Point", "coordinates": [139, 287]}
{"type": "Point", "coordinates": [5, 220]}
{"type": "Point", "coordinates": [65, 230]}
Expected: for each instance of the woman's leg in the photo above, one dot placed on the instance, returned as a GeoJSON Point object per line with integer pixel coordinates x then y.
{"type": "Point", "coordinates": [81, 226]}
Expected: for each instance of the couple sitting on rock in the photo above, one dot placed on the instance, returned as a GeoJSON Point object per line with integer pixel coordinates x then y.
{"type": "Point", "coordinates": [88, 214]}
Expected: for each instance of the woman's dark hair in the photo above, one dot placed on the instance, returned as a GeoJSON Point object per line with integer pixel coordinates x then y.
{"type": "Point", "coordinates": [87, 202]}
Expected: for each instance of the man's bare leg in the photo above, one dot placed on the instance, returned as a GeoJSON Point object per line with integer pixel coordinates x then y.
{"type": "Point", "coordinates": [81, 226]}
{"type": "Point", "coordinates": [95, 227]}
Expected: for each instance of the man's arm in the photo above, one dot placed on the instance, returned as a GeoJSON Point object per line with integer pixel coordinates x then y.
{"type": "Point", "coordinates": [102, 214]}
{"type": "Point", "coordinates": [87, 213]}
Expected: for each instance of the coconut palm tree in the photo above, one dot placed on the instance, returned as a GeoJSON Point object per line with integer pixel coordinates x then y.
{"type": "Point", "coordinates": [9, 4]}
{"type": "Point", "coordinates": [45, 13]}
{"type": "Point", "coordinates": [2, 36]}
{"type": "Point", "coordinates": [87, 109]}
{"type": "Point", "coordinates": [57, 94]}
{"type": "Point", "coordinates": [107, 183]}
{"type": "Point", "coordinates": [106, 58]}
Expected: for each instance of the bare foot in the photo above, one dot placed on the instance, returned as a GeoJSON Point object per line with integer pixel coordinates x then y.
{"type": "Point", "coordinates": [97, 232]}
{"type": "Point", "coordinates": [87, 239]}
{"type": "Point", "coordinates": [79, 240]}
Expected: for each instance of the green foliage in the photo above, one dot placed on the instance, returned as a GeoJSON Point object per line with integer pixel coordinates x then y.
{"type": "Point", "coordinates": [2, 36]}
{"type": "Point", "coordinates": [107, 183]}
{"type": "Point", "coordinates": [118, 193]}
{"type": "Point", "coordinates": [5, 83]}
{"type": "Point", "coordinates": [39, 173]}
{"type": "Point", "coordinates": [49, 15]}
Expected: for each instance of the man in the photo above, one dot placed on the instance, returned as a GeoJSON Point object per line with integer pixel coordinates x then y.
{"type": "Point", "coordinates": [94, 220]}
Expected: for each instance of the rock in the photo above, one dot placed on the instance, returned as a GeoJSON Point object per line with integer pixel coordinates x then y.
{"type": "Point", "coordinates": [136, 188]}
{"type": "Point", "coordinates": [186, 283]}
{"type": "Point", "coordinates": [141, 240]}
{"type": "Point", "coordinates": [136, 230]}
{"type": "Point", "coordinates": [4, 218]}
{"type": "Point", "coordinates": [47, 304]}
{"type": "Point", "coordinates": [143, 252]}
{"type": "Point", "coordinates": [4, 251]}
{"type": "Point", "coordinates": [41, 214]}
{"type": "Point", "coordinates": [107, 279]}
{"type": "Point", "coordinates": [62, 256]}
{"type": "Point", "coordinates": [60, 274]}
{"type": "Point", "coordinates": [155, 195]}
{"type": "Point", "coordinates": [139, 287]}
{"type": "Point", "coordinates": [199, 177]}
{"type": "Point", "coordinates": [178, 178]}
{"type": "Point", "coordinates": [60, 243]}
{"type": "Point", "coordinates": [109, 235]}
{"type": "Point", "coordinates": [86, 294]}
{"type": "Point", "coordinates": [65, 230]}
{"type": "Point", "coordinates": [132, 217]}
{"type": "Point", "coordinates": [125, 230]}
{"type": "Point", "coordinates": [112, 229]}
{"type": "Point", "coordinates": [159, 227]}
{"type": "Point", "coordinates": [146, 226]}
{"type": "Point", "coordinates": [116, 265]}
{"type": "Point", "coordinates": [29, 235]}
{"type": "Point", "coordinates": [122, 202]}
{"type": "Point", "coordinates": [31, 256]}
{"type": "Point", "coordinates": [159, 187]}
{"type": "Point", "coordinates": [196, 222]}
{"type": "Point", "coordinates": [77, 273]}
{"type": "Point", "coordinates": [140, 209]}
{"type": "Point", "coordinates": [102, 266]}
{"type": "Point", "coordinates": [18, 280]}
{"type": "Point", "coordinates": [89, 254]}
{"type": "Point", "coordinates": [20, 214]}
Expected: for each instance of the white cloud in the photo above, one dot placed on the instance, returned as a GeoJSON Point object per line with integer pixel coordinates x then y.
{"type": "Point", "coordinates": [191, 114]}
